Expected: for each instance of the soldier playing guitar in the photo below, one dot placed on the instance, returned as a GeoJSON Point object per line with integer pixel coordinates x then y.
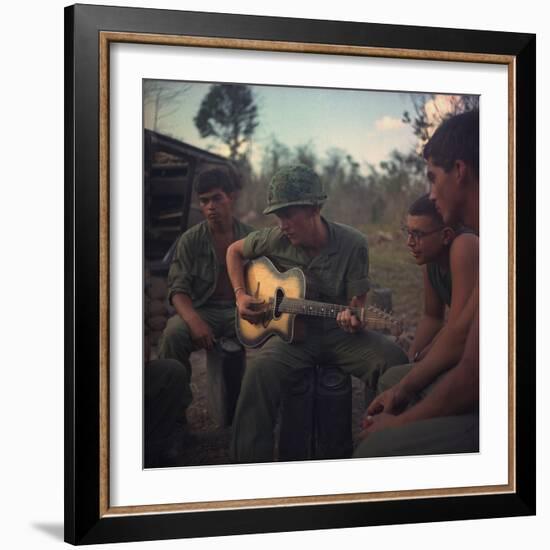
{"type": "Point", "coordinates": [336, 258]}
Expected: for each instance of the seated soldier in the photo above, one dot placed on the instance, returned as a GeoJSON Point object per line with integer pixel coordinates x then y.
{"type": "Point", "coordinates": [445, 418]}
{"type": "Point", "coordinates": [335, 259]}
{"type": "Point", "coordinates": [199, 288]}
{"type": "Point", "coordinates": [164, 382]}
{"type": "Point", "coordinates": [446, 255]}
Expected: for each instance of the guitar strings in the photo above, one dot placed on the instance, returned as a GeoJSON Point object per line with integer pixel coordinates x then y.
{"type": "Point", "coordinates": [320, 309]}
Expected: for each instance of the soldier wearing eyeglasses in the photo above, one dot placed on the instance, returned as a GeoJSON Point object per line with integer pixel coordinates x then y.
{"type": "Point", "coordinates": [449, 259]}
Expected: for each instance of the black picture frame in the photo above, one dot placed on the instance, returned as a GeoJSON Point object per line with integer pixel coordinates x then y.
{"type": "Point", "coordinates": [87, 516]}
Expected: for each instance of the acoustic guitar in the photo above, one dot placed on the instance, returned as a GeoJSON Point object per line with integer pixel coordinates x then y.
{"type": "Point", "coordinates": [284, 295]}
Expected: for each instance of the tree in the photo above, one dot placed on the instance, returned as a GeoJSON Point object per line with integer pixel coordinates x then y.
{"type": "Point", "coordinates": [402, 171]}
{"type": "Point", "coordinates": [393, 186]}
{"type": "Point", "coordinates": [276, 155]}
{"type": "Point", "coordinates": [229, 113]}
{"type": "Point", "coordinates": [305, 154]}
{"type": "Point", "coordinates": [431, 110]}
{"type": "Point", "coordinates": [162, 99]}
{"type": "Point", "coordinates": [334, 169]}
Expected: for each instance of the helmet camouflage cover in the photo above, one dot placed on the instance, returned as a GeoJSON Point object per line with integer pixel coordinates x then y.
{"type": "Point", "coordinates": [292, 186]}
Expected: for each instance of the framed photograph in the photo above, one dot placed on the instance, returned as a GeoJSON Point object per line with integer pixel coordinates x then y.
{"type": "Point", "coordinates": [354, 104]}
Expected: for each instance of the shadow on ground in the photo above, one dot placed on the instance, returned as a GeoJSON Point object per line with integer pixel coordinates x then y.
{"type": "Point", "coordinates": [54, 530]}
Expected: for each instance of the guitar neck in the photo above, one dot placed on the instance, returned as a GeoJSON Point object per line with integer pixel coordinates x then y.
{"type": "Point", "coordinates": [375, 319]}
{"type": "Point", "coordinates": [315, 309]}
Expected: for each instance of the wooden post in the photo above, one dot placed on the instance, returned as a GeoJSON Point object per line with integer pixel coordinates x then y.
{"type": "Point", "coordinates": [224, 372]}
{"type": "Point", "coordinates": [382, 299]}
{"type": "Point", "coordinates": [316, 415]}
{"type": "Point", "coordinates": [333, 405]}
{"type": "Point", "coordinates": [296, 429]}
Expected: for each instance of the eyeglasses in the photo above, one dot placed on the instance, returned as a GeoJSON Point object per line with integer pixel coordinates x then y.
{"type": "Point", "coordinates": [417, 235]}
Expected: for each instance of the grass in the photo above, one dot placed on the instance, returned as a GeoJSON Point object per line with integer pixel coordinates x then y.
{"type": "Point", "coordinates": [392, 267]}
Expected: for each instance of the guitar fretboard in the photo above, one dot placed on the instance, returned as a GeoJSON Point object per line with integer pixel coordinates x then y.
{"type": "Point", "coordinates": [373, 317]}
{"type": "Point", "coordinates": [310, 307]}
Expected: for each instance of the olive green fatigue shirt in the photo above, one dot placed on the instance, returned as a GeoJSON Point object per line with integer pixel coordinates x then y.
{"type": "Point", "coordinates": [336, 275]}
{"type": "Point", "coordinates": [194, 269]}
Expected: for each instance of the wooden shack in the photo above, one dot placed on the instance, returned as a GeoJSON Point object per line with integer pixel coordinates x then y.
{"type": "Point", "coordinates": [169, 208]}
{"type": "Point", "coordinates": [170, 166]}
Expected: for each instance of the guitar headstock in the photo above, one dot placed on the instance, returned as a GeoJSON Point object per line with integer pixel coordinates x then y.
{"type": "Point", "coordinates": [378, 319]}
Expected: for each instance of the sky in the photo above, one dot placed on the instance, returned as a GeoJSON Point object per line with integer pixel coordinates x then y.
{"type": "Point", "coordinates": [366, 124]}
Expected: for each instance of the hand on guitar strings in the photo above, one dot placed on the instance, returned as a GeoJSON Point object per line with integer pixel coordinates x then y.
{"type": "Point", "coordinates": [251, 309]}
{"type": "Point", "coordinates": [347, 320]}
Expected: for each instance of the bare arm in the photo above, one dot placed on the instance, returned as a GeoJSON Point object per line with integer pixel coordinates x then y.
{"type": "Point", "coordinates": [432, 319]}
{"type": "Point", "coordinates": [464, 264]}
{"type": "Point", "coordinates": [457, 392]}
{"type": "Point", "coordinates": [449, 345]}
{"type": "Point", "coordinates": [235, 264]}
{"type": "Point", "coordinates": [235, 270]}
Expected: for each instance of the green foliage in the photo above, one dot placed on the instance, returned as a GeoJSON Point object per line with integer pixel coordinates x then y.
{"type": "Point", "coordinates": [229, 113]}
{"type": "Point", "coordinates": [380, 197]}
{"type": "Point", "coordinates": [276, 155]}
{"type": "Point", "coordinates": [305, 154]}
{"type": "Point", "coordinates": [424, 124]}
{"type": "Point", "coordinates": [391, 266]}
{"type": "Point", "coordinates": [357, 195]}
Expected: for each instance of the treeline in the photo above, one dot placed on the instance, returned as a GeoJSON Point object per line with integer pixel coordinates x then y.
{"type": "Point", "coordinates": [380, 196]}
{"type": "Point", "coordinates": [229, 115]}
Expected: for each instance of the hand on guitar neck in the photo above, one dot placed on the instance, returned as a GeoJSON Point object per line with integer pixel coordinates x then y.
{"type": "Point", "coordinates": [347, 320]}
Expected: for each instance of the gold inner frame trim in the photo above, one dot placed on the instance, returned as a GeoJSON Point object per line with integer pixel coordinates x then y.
{"type": "Point", "coordinates": [105, 39]}
{"type": "Point", "coordinates": [300, 47]}
{"type": "Point", "coordinates": [512, 352]}
{"type": "Point", "coordinates": [306, 500]}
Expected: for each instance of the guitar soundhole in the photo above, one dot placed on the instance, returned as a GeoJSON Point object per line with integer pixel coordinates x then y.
{"type": "Point", "coordinates": [279, 295]}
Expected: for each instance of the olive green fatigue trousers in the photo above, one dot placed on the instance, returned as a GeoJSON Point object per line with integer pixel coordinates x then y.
{"type": "Point", "coordinates": [364, 355]}
{"type": "Point", "coordinates": [442, 435]}
{"type": "Point", "coordinates": [164, 380]}
{"type": "Point", "coordinates": [176, 342]}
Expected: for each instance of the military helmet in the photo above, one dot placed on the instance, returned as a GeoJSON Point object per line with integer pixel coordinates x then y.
{"type": "Point", "coordinates": [293, 186]}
